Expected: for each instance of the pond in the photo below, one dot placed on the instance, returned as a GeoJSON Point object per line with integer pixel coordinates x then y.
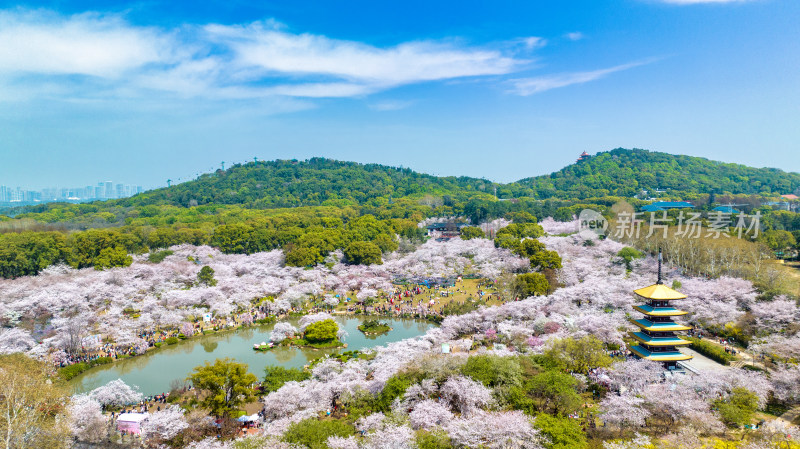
{"type": "Point", "coordinates": [154, 371]}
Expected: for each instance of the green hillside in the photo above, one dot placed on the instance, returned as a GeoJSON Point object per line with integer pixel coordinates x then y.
{"type": "Point", "coordinates": [315, 182]}
{"type": "Point", "coordinates": [625, 173]}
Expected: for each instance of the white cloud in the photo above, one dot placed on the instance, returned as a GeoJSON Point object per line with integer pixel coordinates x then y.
{"type": "Point", "coordinates": [111, 57]}
{"type": "Point", "coordinates": [278, 52]}
{"type": "Point", "coordinates": [390, 105]}
{"type": "Point", "coordinates": [86, 44]}
{"type": "Point", "coordinates": [574, 36]}
{"type": "Point", "coordinates": [530, 86]}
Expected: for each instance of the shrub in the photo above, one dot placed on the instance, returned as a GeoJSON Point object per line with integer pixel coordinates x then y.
{"type": "Point", "coordinates": [493, 371]}
{"type": "Point", "coordinates": [711, 351]}
{"type": "Point", "coordinates": [71, 371]}
{"type": "Point", "coordinates": [562, 433]}
{"type": "Point", "coordinates": [321, 331]}
{"type": "Point", "coordinates": [171, 340]}
{"type": "Point", "coordinates": [738, 408]}
{"type": "Point", "coordinates": [159, 256]}
{"type": "Point", "coordinates": [276, 376]}
{"type": "Point", "coordinates": [314, 433]}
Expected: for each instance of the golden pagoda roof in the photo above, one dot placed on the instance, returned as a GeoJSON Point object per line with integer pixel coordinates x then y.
{"type": "Point", "coordinates": [659, 292]}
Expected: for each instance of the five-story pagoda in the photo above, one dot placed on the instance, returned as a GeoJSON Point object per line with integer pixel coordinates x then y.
{"type": "Point", "coordinates": [656, 337]}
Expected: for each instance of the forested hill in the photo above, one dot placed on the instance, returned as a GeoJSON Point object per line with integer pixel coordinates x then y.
{"type": "Point", "coordinates": [317, 181]}
{"type": "Point", "coordinates": [625, 173]}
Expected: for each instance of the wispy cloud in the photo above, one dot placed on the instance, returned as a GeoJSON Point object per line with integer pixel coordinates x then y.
{"type": "Point", "coordinates": [103, 53]}
{"type": "Point", "coordinates": [574, 36]}
{"type": "Point", "coordinates": [390, 105]}
{"type": "Point", "coordinates": [530, 86]}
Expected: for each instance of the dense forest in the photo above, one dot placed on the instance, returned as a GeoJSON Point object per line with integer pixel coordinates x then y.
{"type": "Point", "coordinates": [311, 208]}
{"type": "Point", "coordinates": [623, 172]}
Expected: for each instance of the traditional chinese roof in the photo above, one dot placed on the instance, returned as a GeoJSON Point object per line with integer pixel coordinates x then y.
{"type": "Point", "coordinates": [664, 205]}
{"type": "Point", "coordinates": [641, 337]}
{"type": "Point", "coordinates": [660, 327]}
{"type": "Point", "coordinates": [659, 292]}
{"type": "Point", "coordinates": [659, 311]}
{"type": "Point", "coordinates": [726, 210]}
{"type": "Point", "coordinates": [670, 356]}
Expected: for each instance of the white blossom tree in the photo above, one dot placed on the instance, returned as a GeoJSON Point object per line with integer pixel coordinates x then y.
{"type": "Point", "coordinates": [116, 393]}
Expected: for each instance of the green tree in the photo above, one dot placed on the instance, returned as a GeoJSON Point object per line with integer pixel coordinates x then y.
{"type": "Point", "coordinates": [628, 254]}
{"type": "Point", "coordinates": [313, 433]}
{"type": "Point", "coordinates": [225, 385]}
{"type": "Point", "coordinates": [303, 257]}
{"type": "Point", "coordinates": [206, 276]}
{"type": "Point", "coordinates": [738, 408]}
{"type": "Point", "coordinates": [579, 356]}
{"type": "Point", "coordinates": [112, 257]}
{"type": "Point", "coordinates": [472, 232]}
{"type": "Point", "coordinates": [362, 253]}
{"type": "Point", "coordinates": [545, 260]}
{"type": "Point", "coordinates": [500, 373]}
{"type": "Point", "coordinates": [276, 376]}
{"type": "Point", "coordinates": [321, 331]}
{"type": "Point", "coordinates": [777, 240]}
{"type": "Point", "coordinates": [529, 284]}
{"type": "Point", "coordinates": [561, 432]}
{"type": "Point", "coordinates": [554, 392]}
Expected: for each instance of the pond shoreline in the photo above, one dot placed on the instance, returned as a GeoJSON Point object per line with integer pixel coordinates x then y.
{"type": "Point", "coordinates": [175, 360]}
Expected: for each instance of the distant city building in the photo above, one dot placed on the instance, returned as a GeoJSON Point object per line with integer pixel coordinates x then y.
{"type": "Point", "coordinates": [102, 191]}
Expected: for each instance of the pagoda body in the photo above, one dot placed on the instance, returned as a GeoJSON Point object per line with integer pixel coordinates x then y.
{"type": "Point", "coordinates": [656, 335]}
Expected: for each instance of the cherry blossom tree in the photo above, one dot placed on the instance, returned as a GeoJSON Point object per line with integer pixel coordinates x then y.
{"type": "Point", "coordinates": [15, 340]}
{"type": "Point", "coordinates": [623, 410]}
{"type": "Point", "coordinates": [282, 331]}
{"type": "Point", "coordinates": [494, 430]}
{"type": "Point", "coordinates": [86, 419]}
{"type": "Point", "coordinates": [428, 414]}
{"type": "Point", "coordinates": [786, 383]}
{"type": "Point", "coordinates": [116, 393]}
{"type": "Point", "coordinates": [187, 329]}
{"type": "Point", "coordinates": [164, 425]}
{"type": "Point", "coordinates": [465, 395]}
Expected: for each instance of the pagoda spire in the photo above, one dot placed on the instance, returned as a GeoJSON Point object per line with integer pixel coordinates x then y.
{"type": "Point", "coordinates": [660, 258]}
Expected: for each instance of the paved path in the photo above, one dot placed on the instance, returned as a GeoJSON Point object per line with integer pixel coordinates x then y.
{"type": "Point", "coordinates": [701, 362]}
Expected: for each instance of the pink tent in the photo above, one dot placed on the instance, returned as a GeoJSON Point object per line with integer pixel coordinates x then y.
{"type": "Point", "coordinates": [131, 422]}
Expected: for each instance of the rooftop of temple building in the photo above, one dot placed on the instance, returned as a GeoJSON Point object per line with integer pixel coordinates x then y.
{"type": "Point", "coordinates": [659, 292]}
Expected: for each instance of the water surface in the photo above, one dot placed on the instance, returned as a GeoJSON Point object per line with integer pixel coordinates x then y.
{"type": "Point", "coordinates": [154, 371]}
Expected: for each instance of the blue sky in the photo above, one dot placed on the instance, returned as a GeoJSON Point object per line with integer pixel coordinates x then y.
{"type": "Point", "coordinates": [142, 92]}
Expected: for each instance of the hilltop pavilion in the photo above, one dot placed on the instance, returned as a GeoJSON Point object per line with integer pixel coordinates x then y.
{"type": "Point", "coordinates": [656, 337]}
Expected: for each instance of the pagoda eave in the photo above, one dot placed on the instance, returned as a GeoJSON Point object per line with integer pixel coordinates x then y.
{"type": "Point", "coordinates": [659, 341]}
{"type": "Point", "coordinates": [660, 311]}
{"type": "Point", "coordinates": [659, 327]}
{"type": "Point", "coordinates": [671, 356]}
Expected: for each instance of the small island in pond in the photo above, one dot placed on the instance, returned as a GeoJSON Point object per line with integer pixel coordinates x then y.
{"type": "Point", "coordinates": [322, 334]}
{"type": "Point", "coordinates": [374, 327]}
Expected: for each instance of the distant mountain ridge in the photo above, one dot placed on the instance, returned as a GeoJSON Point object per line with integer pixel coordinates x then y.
{"type": "Point", "coordinates": [314, 182]}
{"type": "Point", "coordinates": [622, 172]}
{"type": "Point", "coordinates": [327, 182]}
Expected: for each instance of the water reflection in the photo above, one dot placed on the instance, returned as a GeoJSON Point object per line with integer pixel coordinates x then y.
{"type": "Point", "coordinates": [154, 371]}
